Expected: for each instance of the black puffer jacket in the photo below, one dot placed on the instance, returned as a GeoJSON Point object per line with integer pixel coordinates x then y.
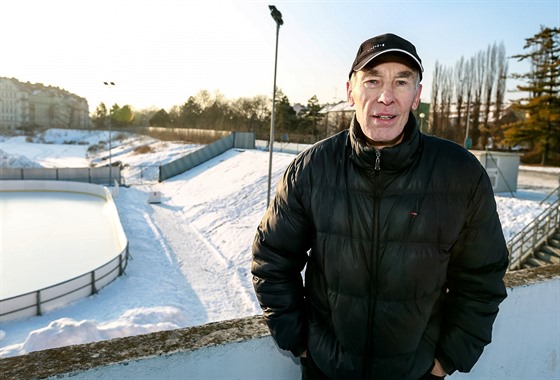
{"type": "Point", "coordinates": [405, 257]}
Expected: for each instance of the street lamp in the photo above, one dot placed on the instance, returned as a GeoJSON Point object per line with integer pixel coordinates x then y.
{"type": "Point", "coordinates": [277, 16]}
{"type": "Point", "coordinates": [468, 141]}
{"type": "Point", "coordinates": [110, 85]}
{"type": "Point", "coordinates": [422, 116]}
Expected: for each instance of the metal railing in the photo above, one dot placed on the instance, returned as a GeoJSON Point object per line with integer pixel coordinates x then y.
{"type": "Point", "coordinates": [527, 241]}
{"type": "Point", "coordinates": [49, 298]}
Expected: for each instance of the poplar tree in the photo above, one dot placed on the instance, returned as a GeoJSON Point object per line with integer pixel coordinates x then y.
{"type": "Point", "coordinates": [541, 127]}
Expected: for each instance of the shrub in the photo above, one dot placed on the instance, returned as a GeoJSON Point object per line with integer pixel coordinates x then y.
{"type": "Point", "coordinates": [143, 149]}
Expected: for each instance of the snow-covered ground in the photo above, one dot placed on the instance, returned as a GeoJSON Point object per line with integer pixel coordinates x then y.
{"type": "Point", "coordinates": [191, 253]}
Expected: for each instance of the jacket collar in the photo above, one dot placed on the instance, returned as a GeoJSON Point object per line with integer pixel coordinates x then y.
{"type": "Point", "coordinates": [395, 158]}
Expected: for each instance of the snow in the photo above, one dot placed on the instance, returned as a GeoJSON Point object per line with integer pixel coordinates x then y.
{"type": "Point", "coordinates": [190, 254]}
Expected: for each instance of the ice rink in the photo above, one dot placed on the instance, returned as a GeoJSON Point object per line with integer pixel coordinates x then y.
{"type": "Point", "coordinates": [52, 236]}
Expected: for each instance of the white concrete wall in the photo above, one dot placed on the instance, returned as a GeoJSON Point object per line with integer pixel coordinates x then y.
{"type": "Point", "coordinates": [526, 337]}
{"type": "Point", "coordinates": [252, 359]}
{"type": "Point", "coordinates": [526, 345]}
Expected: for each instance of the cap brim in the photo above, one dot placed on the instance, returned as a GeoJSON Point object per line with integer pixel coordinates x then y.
{"type": "Point", "coordinates": [367, 60]}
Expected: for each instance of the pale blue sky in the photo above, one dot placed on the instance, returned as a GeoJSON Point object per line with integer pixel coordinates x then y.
{"type": "Point", "coordinates": [161, 52]}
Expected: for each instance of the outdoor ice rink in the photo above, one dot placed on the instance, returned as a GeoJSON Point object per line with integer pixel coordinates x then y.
{"type": "Point", "coordinates": [52, 236]}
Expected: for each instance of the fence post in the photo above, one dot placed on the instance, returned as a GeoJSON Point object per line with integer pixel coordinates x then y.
{"type": "Point", "coordinates": [39, 303]}
{"type": "Point", "coordinates": [93, 287]}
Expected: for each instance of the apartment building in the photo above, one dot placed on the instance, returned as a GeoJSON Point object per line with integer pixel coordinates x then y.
{"type": "Point", "coordinates": [23, 104]}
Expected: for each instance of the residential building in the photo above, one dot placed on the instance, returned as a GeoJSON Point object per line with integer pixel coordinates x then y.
{"type": "Point", "coordinates": [28, 104]}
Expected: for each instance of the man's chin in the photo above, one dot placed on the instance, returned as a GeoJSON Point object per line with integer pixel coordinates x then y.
{"type": "Point", "coordinates": [384, 141]}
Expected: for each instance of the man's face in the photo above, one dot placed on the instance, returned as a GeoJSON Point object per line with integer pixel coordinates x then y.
{"type": "Point", "coordinates": [383, 95]}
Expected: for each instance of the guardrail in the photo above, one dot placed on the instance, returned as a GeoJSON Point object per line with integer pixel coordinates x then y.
{"type": "Point", "coordinates": [104, 175]}
{"type": "Point", "coordinates": [49, 298]}
{"type": "Point", "coordinates": [527, 241]}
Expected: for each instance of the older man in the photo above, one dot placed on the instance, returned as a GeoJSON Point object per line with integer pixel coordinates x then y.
{"type": "Point", "coordinates": [404, 249]}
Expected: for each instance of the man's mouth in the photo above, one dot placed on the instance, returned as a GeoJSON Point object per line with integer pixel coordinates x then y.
{"type": "Point", "coordinates": [384, 117]}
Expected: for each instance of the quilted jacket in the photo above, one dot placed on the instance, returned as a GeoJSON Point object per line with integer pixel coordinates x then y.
{"type": "Point", "coordinates": [403, 253]}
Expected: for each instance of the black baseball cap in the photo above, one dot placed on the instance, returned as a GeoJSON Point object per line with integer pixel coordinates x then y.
{"type": "Point", "coordinates": [385, 43]}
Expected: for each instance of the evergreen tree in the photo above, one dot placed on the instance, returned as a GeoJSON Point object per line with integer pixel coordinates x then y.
{"type": "Point", "coordinates": [100, 116]}
{"type": "Point", "coordinates": [286, 120]}
{"type": "Point", "coordinates": [160, 119]}
{"type": "Point", "coordinates": [541, 127]}
{"type": "Point", "coordinates": [190, 113]}
{"type": "Point", "coordinates": [311, 117]}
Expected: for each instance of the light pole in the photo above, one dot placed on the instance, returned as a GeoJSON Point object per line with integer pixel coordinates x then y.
{"type": "Point", "coordinates": [277, 16]}
{"type": "Point", "coordinates": [467, 139]}
{"type": "Point", "coordinates": [110, 85]}
{"type": "Point", "coordinates": [422, 116]}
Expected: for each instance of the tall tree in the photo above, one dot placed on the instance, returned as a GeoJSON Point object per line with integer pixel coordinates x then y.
{"type": "Point", "coordinates": [502, 72]}
{"type": "Point", "coordinates": [286, 120]}
{"type": "Point", "coordinates": [311, 117]}
{"type": "Point", "coordinates": [434, 115]}
{"type": "Point", "coordinates": [479, 63]}
{"type": "Point", "coordinates": [489, 84]}
{"type": "Point", "coordinates": [460, 78]}
{"type": "Point", "coordinates": [190, 113]}
{"type": "Point", "coordinates": [160, 119]}
{"type": "Point", "coordinates": [122, 116]}
{"type": "Point", "coordinates": [541, 128]}
{"type": "Point", "coordinates": [99, 118]}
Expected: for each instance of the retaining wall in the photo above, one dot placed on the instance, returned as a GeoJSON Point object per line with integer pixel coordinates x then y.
{"type": "Point", "coordinates": [525, 346]}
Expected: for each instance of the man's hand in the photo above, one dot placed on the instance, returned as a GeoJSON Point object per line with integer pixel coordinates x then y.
{"type": "Point", "coordinates": [438, 369]}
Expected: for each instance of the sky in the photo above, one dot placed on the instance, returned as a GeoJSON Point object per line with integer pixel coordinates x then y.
{"type": "Point", "coordinates": [159, 53]}
{"type": "Point", "coordinates": [191, 254]}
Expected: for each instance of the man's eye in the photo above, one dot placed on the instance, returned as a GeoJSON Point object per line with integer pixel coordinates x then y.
{"type": "Point", "coordinates": [371, 83]}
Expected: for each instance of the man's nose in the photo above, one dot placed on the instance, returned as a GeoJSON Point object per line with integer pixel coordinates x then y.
{"type": "Point", "coordinates": [387, 96]}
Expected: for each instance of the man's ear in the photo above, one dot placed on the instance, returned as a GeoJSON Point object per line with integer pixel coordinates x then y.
{"type": "Point", "coordinates": [349, 93]}
{"type": "Point", "coordinates": [416, 102]}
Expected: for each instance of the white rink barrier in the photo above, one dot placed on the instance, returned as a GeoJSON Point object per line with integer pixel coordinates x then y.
{"type": "Point", "coordinates": [49, 298]}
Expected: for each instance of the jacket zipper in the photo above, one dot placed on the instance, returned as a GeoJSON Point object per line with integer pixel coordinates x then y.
{"type": "Point", "coordinates": [374, 265]}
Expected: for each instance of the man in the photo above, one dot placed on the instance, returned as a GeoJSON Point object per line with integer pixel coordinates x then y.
{"type": "Point", "coordinates": [405, 252]}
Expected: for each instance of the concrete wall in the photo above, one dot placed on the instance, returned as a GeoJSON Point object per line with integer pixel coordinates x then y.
{"type": "Point", "coordinates": [526, 346]}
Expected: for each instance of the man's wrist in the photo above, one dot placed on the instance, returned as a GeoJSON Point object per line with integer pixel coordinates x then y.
{"type": "Point", "coordinates": [438, 369]}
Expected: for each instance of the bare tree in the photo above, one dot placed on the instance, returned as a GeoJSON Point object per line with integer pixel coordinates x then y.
{"type": "Point", "coordinates": [489, 81]}
{"type": "Point", "coordinates": [501, 77]}
{"type": "Point", "coordinates": [446, 102]}
{"type": "Point", "coordinates": [460, 79]}
{"type": "Point", "coordinates": [436, 82]}
{"type": "Point", "coordinates": [479, 62]}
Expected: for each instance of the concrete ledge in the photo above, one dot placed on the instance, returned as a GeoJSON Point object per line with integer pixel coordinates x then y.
{"type": "Point", "coordinates": [138, 356]}
{"type": "Point", "coordinates": [530, 276]}
{"type": "Point", "coordinates": [78, 358]}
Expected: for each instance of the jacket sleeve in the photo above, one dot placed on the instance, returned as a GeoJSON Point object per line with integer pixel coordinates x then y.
{"type": "Point", "coordinates": [279, 255]}
{"type": "Point", "coordinates": [479, 260]}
